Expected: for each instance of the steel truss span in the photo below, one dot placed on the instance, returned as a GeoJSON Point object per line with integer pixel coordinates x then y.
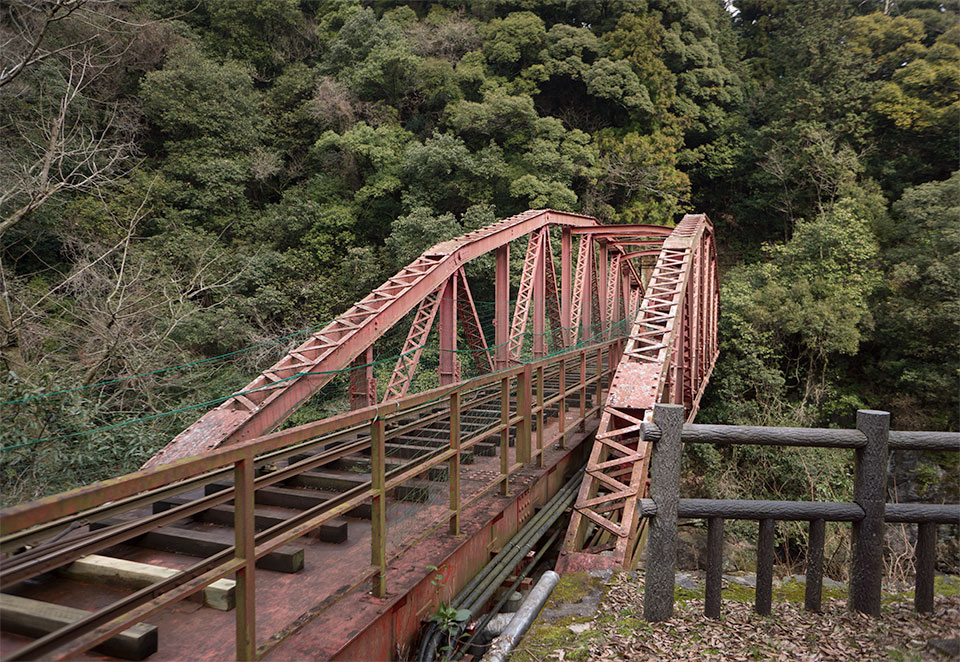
{"type": "Point", "coordinates": [668, 358]}
{"type": "Point", "coordinates": [435, 286]}
{"type": "Point", "coordinates": [359, 499]}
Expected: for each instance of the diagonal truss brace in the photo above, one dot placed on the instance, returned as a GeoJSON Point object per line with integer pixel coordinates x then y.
{"type": "Point", "coordinates": [531, 263]}
{"type": "Point", "coordinates": [472, 329]}
{"type": "Point", "coordinates": [553, 298]}
{"type": "Point", "coordinates": [413, 346]}
{"type": "Point", "coordinates": [580, 285]}
{"type": "Point", "coordinates": [613, 288]}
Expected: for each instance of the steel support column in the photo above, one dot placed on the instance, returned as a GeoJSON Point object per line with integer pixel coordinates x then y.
{"type": "Point", "coordinates": [539, 298]}
{"type": "Point", "coordinates": [566, 243]}
{"type": "Point", "coordinates": [363, 386]}
{"type": "Point", "coordinates": [501, 318]}
{"type": "Point", "coordinates": [604, 260]}
{"type": "Point", "coordinates": [449, 372]}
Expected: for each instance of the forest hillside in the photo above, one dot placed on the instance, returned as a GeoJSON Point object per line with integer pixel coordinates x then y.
{"type": "Point", "coordinates": [187, 188]}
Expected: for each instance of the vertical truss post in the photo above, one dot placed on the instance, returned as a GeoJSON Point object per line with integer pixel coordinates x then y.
{"type": "Point", "coordinates": [363, 387]}
{"type": "Point", "coordinates": [501, 318]}
{"type": "Point", "coordinates": [604, 258]}
{"type": "Point", "coordinates": [524, 399]}
{"type": "Point", "coordinates": [453, 469]}
{"type": "Point", "coordinates": [505, 436]}
{"type": "Point", "coordinates": [566, 243]}
{"type": "Point", "coordinates": [245, 549]}
{"type": "Point", "coordinates": [472, 329]}
{"type": "Point", "coordinates": [557, 330]}
{"type": "Point", "coordinates": [378, 520]}
{"type": "Point", "coordinates": [448, 370]}
{"type": "Point", "coordinates": [625, 294]}
{"type": "Point", "coordinates": [539, 297]}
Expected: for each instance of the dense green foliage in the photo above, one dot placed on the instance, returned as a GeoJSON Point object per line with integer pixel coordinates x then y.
{"type": "Point", "coordinates": [180, 180]}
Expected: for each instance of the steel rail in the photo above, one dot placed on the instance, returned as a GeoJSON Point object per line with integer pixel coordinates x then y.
{"type": "Point", "coordinates": [45, 558]}
{"type": "Point", "coordinates": [106, 622]}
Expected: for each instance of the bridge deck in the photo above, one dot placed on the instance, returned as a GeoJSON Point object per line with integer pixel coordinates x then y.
{"type": "Point", "coordinates": [321, 610]}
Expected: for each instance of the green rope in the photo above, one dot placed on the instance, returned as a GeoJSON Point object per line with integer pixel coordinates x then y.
{"type": "Point", "coordinates": [161, 370]}
{"type": "Point", "coordinates": [35, 442]}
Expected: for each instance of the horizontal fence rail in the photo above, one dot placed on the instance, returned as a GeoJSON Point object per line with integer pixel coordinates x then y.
{"type": "Point", "coordinates": [871, 440]}
{"type": "Point", "coordinates": [695, 433]}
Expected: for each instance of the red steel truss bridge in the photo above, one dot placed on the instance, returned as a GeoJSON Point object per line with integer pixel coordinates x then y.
{"type": "Point", "coordinates": [327, 539]}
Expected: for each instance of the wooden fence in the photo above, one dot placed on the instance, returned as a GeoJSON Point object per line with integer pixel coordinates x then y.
{"type": "Point", "coordinates": [871, 441]}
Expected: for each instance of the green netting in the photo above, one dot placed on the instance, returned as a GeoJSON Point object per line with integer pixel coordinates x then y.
{"type": "Point", "coordinates": [81, 434]}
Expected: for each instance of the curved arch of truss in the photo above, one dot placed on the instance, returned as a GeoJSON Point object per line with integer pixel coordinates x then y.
{"type": "Point", "coordinates": [434, 285]}
{"type": "Point", "coordinates": [667, 359]}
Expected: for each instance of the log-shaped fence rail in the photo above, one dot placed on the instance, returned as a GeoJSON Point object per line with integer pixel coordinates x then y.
{"type": "Point", "coordinates": [871, 440]}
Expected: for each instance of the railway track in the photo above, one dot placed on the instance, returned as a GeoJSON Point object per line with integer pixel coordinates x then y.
{"type": "Point", "coordinates": [61, 572]}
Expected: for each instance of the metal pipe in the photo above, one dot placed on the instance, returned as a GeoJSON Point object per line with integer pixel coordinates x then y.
{"type": "Point", "coordinates": [486, 618]}
{"type": "Point", "coordinates": [481, 587]}
{"type": "Point", "coordinates": [511, 547]}
{"type": "Point", "coordinates": [523, 619]}
{"type": "Point", "coordinates": [517, 548]}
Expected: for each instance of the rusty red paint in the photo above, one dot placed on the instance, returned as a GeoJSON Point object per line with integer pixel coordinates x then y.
{"type": "Point", "coordinates": [668, 358]}
{"type": "Point", "coordinates": [677, 367]}
{"type": "Point", "coordinates": [278, 391]}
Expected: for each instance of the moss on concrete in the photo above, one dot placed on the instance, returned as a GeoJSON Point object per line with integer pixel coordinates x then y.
{"type": "Point", "coordinates": [547, 636]}
{"type": "Point", "coordinates": [573, 587]}
{"type": "Point", "coordinates": [544, 638]}
{"type": "Point", "coordinates": [946, 585]}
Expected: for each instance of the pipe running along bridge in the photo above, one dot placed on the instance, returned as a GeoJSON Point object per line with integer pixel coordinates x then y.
{"type": "Point", "coordinates": [338, 537]}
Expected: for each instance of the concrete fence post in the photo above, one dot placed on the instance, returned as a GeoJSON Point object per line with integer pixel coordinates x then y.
{"type": "Point", "coordinates": [869, 492]}
{"type": "Point", "coordinates": [665, 492]}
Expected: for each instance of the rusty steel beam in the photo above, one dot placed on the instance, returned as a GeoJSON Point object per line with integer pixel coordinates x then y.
{"type": "Point", "coordinates": [612, 284]}
{"type": "Point", "coordinates": [603, 264]}
{"type": "Point", "coordinates": [539, 295]}
{"type": "Point", "coordinates": [658, 364]}
{"type": "Point", "coordinates": [521, 310]}
{"type": "Point", "coordinates": [416, 339]}
{"type": "Point", "coordinates": [449, 368]}
{"type": "Point", "coordinates": [270, 398]}
{"type": "Point", "coordinates": [501, 318]}
{"type": "Point", "coordinates": [552, 295]}
{"type": "Point", "coordinates": [363, 385]}
{"type": "Point", "coordinates": [566, 287]}
{"type": "Point", "coordinates": [625, 231]}
{"type": "Point", "coordinates": [580, 299]}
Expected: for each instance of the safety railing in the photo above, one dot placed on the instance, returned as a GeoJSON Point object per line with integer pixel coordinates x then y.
{"type": "Point", "coordinates": [524, 402]}
{"type": "Point", "coordinates": [871, 441]}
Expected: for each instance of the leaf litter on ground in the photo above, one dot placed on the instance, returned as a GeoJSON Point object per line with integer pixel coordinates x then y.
{"type": "Point", "coordinates": [790, 633]}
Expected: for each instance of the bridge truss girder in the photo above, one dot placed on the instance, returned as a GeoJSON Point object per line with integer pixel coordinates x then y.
{"type": "Point", "coordinates": [668, 358]}
{"type": "Point", "coordinates": [277, 392]}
